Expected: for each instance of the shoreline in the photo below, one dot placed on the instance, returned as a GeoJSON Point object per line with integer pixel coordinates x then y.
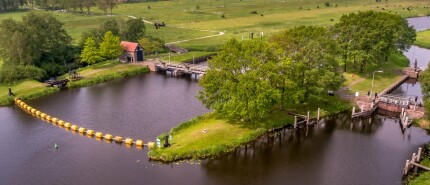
{"type": "Point", "coordinates": [110, 73]}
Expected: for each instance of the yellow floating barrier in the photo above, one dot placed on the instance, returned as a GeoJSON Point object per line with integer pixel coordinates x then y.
{"type": "Point", "coordinates": [43, 115]}
{"type": "Point", "coordinates": [29, 108]}
{"type": "Point", "coordinates": [54, 120]}
{"type": "Point", "coordinates": [129, 141]}
{"type": "Point", "coordinates": [67, 125]}
{"type": "Point", "coordinates": [33, 110]}
{"type": "Point", "coordinates": [22, 104]}
{"type": "Point", "coordinates": [118, 139]}
{"type": "Point", "coordinates": [38, 113]}
{"type": "Point", "coordinates": [99, 135]}
{"type": "Point", "coordinates": [151, 145]}
{"type": "Point", "coordinates": [90, 132]}
{"type": "Point", "coordinates": [61, 122]}
{"type": "Point", "coordinates": [82, 130]}
{"type": "Point", "coordinates": [48, 118]}
{"type": "Point", "coordinates": [139, 143]}
{"type": "Point", "coordinates": [108, 137]}
{"type": "Point", "coordinates": [25, 106]}
{"type": "Point", "coordinates": [74, 127]}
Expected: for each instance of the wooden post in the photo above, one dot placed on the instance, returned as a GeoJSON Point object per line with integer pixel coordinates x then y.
{"type": "Point", "coordinates": [413, 157]}
{"type": "Point", "coordinates": [406, 122]}
{"type": "Point", "coordinates": [318, 116]}
{"type": "Point", "coordinates": [403, 110]}
{"type": "Point", "coordinates": [295, 121]}
{"type": "Point", "coordinates": [419, 154]}
{"type": "Point", "coordinates": [353, 110]}
{"type": "Point", "coordinates": [406, 169]}
{"type": "Point", "coordinates": [307, 121]}
{"type": "Point", "coordinates": [362, 108]}
{"type": "Point", "coordinates": [10, 92]}
{"type": "Point", "coordinates": [373, 104]}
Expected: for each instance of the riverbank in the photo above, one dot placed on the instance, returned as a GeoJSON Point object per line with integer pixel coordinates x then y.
{"type": "Point", "coordinates": [90, 75]}
{"type": "Point", "coordinates": [423, 39]}
{"type": "Point", "coordinates": [105, 71]}
{"type": "Point", "coordinates": [423, 177]}
{"type": "Point", "coordinates": [210, 135]}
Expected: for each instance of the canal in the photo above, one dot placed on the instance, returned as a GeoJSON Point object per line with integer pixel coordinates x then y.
{"type": "Point", "coordinates": [143, 106]}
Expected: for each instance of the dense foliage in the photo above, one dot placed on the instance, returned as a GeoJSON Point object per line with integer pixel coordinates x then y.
{"type": "Point", "coordinates": [38, 40]}
{"type": "Point", "coordinates": [250, 79]}
{"type": "Point", "coordinates": [366, 38]}
{"type": "Point", "coordinates": [425, 87]}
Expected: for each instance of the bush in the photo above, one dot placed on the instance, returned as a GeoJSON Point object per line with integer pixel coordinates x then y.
{"type": "Point", "coordinates": [11, 74]}
{"type": "Point", "coordinates": [327, 4]}
{"type": "Point", "coordinates": [254, 12]}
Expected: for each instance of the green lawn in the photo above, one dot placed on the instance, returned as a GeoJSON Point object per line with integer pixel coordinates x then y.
{"type": "Point", "coordinates": [187, 57]}
{"type": "Point", "coordinates": [105, 71]}
{"type": "Point", "coordinates": [423, 39]}
{"type": "Point", "coordinates": [26, 89]}
{"type": "Point", "coordinates": [392, 72]}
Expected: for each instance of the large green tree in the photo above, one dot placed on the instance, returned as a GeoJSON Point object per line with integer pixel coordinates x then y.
{"type": "Point", "coordinates": [366, 38]}
{"type": "Point", "coordinates": [151, 45]}
{"type": "Point", "coordinates": [425, 87]}
{"type": "Point", "coordinates": [134, 30]}
{"type": "Point", "coordinates": [90, 54]}
{"type": "Point", "coordinates": [39, 40]}
{"type": "Point", "coordinates": [110, 47]}
{"type": "Point", "coordinates": [237, 84]}
{"type": "Point", "coordinates": [311, 50]}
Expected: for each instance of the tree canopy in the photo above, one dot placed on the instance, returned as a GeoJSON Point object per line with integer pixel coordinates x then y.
{"type": "Point", "coordinates": [366, 38]}
{"type": "Point", "coordinates": [90, 54]}
{"type": "Point", "coordinates": [110, 47]}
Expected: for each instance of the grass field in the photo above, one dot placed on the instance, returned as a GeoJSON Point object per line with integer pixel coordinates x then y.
{"type": "Point", "coordinates": [423, 39]}
{"type": "Point", "coordinates": [199, 17]}
{"type": "Point", "coordinates": [382, 80]}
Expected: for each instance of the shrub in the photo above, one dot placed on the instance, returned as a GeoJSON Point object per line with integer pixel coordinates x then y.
{"type": "Point", "coordinates": [254, 12]}
{"type": "Point", "coordinates": [10, 74]}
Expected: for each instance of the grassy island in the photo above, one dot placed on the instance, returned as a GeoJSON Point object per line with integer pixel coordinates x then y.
{"type": "Point", "coordinates": [210, 135]}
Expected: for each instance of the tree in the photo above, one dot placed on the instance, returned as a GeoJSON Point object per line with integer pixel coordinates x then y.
{"type": "Point", "coordinates": [90, 54]}
{"type": "Point", "coordinates": [425, 87]}
{"type": "Point", "coordinates": [134, 29]}
{"type": "Point", "coordinates": [110, 48]}
{"type": "Point", "coordinates": [367, 38]}
{"type": "Point", "coordinates": [236, 86]}
{"type": "Point", "coordinates": [98, 33]}
{"type": "Point", "coordinates": [88, 4]}
{"type": "Point", "coordinates": [311, 50]}
{"type": "Point", "coordinates": [151, 45]}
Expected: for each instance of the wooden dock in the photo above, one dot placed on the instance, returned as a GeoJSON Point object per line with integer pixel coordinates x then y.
{"type": "Point", "coordinates": [363, 113]}
{"type": "Point", "coordinates": [181, 69]}
{"type": "Point", "coordinates": [393, 86]}
{"type": "Point", "coordinates": [414, 163]}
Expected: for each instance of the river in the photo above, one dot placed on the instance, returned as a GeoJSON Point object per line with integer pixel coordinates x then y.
{"type": "Point", "coordinates": [143, 106]}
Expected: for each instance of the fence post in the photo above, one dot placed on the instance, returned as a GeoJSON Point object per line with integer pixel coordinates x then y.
{"type": "Point", "coordinates": [406, 169]}
{"type": "Point", "coordinates": [318, 116]}
{"type": "Point", "coordinates": [353, 110]}
{"type": "Point", "coordinates": [307, 121]}
{"type": "Point", "coordinates": [419, 154]}
{"type": "Point", "coordinates": [362, 108]}
{"type": "Point", "coordinates": [295, 121]}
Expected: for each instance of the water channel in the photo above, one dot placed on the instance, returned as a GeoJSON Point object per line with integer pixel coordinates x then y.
{"type": "Point", "coordinates": [143, 106]}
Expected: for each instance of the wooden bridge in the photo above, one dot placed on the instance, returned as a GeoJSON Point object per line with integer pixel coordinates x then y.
{"type": "Point", "coordinates": [58, 83]}
{"type": "Point", "coordinates": [181, 69]}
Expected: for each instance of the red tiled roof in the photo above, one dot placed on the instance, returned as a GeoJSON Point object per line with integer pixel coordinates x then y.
{"type": "Point", "coordinates": [129, 46]}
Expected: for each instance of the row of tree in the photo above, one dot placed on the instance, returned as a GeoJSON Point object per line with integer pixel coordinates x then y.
{"type": "Point", "coordinates": [250, 79]}
{"type": "Point", "coordinates": [72, 5]}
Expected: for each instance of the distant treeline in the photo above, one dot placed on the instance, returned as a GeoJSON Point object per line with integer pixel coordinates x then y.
{"type": "Point", "coordinates": [70, 5]}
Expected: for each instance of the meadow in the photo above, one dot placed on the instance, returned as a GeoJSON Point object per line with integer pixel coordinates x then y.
{"type": "Point", "coordinates": [423, 39]}
{"type": "Point", "coordinates": [187, 19]}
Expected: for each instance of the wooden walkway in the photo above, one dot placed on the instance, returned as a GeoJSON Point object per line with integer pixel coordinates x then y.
{"type": "Point", "coordinates": [180, 69]}
{"type": "Point", "coordinates": [393, 86]}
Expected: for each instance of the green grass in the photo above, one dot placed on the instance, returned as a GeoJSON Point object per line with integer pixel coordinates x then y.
{"type": "Point", "coordinates": [277, 16]}
{"type": "Point", "coordinates": [423, 39]}
{"type": "Point", "coordinates": [105, 71]}
{"type": "Point", "coordinates": [223, 136]}
{"type": "Point", "coordinates": [187, 57]}
{"type": "Point", "coordinates": [423, 179]}
{"type": "Point", "coordinates": [392, 72]}
{"type": "Point", "coordinates": [26, 89]}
